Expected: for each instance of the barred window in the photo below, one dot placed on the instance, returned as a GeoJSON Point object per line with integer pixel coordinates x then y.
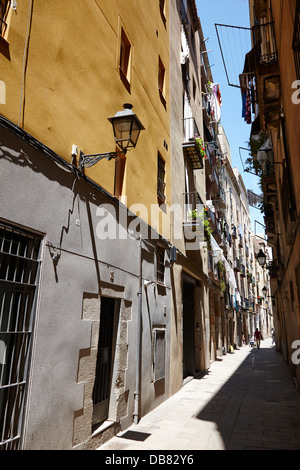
{"type": "Point", "coordinates": [19, 278]}
{"type": "Point", "coordinates": [160, 264]}
{"type": "Point", "coordinates": [161, 185]}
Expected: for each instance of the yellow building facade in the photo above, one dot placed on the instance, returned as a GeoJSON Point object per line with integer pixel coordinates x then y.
{"type": "Point", "coordinates": [67, 68]}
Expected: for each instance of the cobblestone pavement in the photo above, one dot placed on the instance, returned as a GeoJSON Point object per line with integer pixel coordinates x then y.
{"type": "Point", "coordinates": [246, 401]}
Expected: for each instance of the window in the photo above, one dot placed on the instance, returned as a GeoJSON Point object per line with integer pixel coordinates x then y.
{"type": "Point", "coordinates": [125, 59]}
{"type": "Point", "coordinates": [159, 353]}
{"type": "Point", "coordinates": [105, 359]}
{"type": "Point", "coordinates": [19, 277]}
{"type": "Point", "coordinates": [161, 185]}
{"type": "Point", "coordinates": [161, 81]}
{"type": "Point", "coordinates": [162, 6]}
{"type": "Point", "coordinates": [4, 8]}
{"type": "Point", "coordinates": [160, 264]}
{"type": "Point", "coordinates": [296, 40]}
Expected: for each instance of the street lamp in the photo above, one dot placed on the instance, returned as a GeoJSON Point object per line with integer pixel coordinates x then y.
{"type": "Point", "coordinates": [261, 258]}
{"type": "Point", "coordinates": [126, 127]}
{"type": "Point", "coordinates": [264, 291]}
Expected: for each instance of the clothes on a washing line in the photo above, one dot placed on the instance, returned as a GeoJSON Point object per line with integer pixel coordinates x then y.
{"type": "Point", "coordinates": [246, 106]}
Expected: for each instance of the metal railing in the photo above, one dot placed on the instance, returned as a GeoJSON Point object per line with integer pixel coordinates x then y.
{"type": "Point", "coordinates": [19, 267]}
{"type": "Point", "coordinates": [190, 129]}
{"type": "Point", "coordinates": [265, 44]}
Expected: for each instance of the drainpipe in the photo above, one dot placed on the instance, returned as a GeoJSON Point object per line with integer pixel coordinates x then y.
{"type": "Point", "coordinates": [138, 345]}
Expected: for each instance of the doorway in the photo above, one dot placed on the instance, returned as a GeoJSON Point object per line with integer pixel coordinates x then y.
{"type": "Point", "coordinates": [188, 332]}
{"type": "Point", "coordinates": [105, 360]}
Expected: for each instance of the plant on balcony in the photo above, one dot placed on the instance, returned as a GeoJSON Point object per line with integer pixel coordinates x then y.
{"type": "Point", "coordinates": [272, 269]}
{"type": "Point", "coordinates": [252, 163]}
{"type": "Point", "coordinates": [222, 275]}
{"type": "Point", "coordinates": [200, 147]}
{"type": "Point", "coordinates": [195, 215]}
{"type": "Point", "coordinates": [266, 209]}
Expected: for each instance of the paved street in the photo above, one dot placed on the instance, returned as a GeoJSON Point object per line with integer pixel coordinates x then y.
{"type": "Point", "coordinates": [247, 401]}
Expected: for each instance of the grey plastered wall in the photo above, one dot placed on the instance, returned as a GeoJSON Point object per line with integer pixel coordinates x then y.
{"type": "Point", "coordinates": [40, 194]}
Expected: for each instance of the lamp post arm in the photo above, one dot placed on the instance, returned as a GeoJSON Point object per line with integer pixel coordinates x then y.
{"type": "Point", "coordinates": [86, 161]}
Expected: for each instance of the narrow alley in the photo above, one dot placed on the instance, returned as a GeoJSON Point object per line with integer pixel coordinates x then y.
{"type": "Point", "coordinates": [247, 401]}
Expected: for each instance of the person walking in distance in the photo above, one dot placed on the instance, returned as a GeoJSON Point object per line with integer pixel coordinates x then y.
{"type": "Point", "coordinates": [273, 335]}
{"type": "Point", "coordinates": [257, 337]}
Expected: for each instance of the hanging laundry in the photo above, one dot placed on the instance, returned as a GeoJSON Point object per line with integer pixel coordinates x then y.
{"type": "Point", "coordinates": [248, 107]}
{"type": "Point", "coordinates": [244, 104]}
{"type": "Point", "coordinates": [219, 97]}
{"type": "Point", "coordinates": [253, 98]}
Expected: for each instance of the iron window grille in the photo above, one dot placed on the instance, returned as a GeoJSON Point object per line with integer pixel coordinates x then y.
{"type": "Point", "coordinates": [160, 264]}
{"type": "Point", "coordinates": [161, 185]}
{"type": "Point", "coordinates": [264, 40]}
{"type": "Point", "coordinates": [19, 274]}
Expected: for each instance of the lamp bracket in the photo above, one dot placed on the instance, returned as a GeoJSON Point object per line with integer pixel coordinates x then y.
{"type": "Point", "coordinates": [86, 161]}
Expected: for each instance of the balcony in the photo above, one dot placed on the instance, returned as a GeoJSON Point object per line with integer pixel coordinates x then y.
{"type": "Point", "coordinates": [214, 182]}
{"type": "Point", "coordinates": [265, 44]}
{"type": "Point", "coordinates": [192, 147]}
{"type": "Point", "coordinates": [211, 217]}
{"type": "Point", "coordinates": [267, 75]}
{"type": "Point", "coordinates": [236, 265]}
{"type": "Point", "coordinates": [184, 18]}
{"type": "Point", "coordinates": [243, 270]}
{"type": "Point", "coordinates": [221, 198]}
{"type": "Point", "coordinates": [208, 161]}
{"type": "Point", "coordinates": [234, 232]}
{"type": "Point", "coordinates": [218, 233]}
{"type": "Point", "coordinates": [193, 216]}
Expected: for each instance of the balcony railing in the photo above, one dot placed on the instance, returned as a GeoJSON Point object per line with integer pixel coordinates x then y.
{"type": "Point", "coordinates": [265, 44]}
{"type": "Point", "coordinates": [184, 18]}
{"type": "Point", "coordinates": [237, 264]}
{"type": "Point", "coordinates": [190, 129]}
{"type": "Point", "coordinates": [190, 147]}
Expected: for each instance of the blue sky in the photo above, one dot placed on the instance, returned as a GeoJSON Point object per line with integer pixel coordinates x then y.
{"type": "Point", "coordinates": [234, 13]}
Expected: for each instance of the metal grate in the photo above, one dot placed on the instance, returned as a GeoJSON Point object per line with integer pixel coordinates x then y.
{"type": "Point", "coordinates": [19, 267]}
{"type": "Point", "coordinates": [160, 264]}
{"type": "Point", "coordinates": [101, 390]}
{"type": "Point", "coordinates": [264, 40]}
{"type": "Point", "coordinates": [161, 185]}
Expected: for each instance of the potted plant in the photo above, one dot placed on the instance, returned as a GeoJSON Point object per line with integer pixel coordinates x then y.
{"type": "Point", "coordinates": [200, 146]}
{"type": "Point", "coordinates": [198, 220]}
{"type": "Point", "coordinates": [222, 275]}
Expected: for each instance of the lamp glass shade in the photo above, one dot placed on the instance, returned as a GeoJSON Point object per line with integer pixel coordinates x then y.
{"type": "Point", "coordinates": [261, 258]}
{"type": "Point", "coordinates": [127, 127]}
